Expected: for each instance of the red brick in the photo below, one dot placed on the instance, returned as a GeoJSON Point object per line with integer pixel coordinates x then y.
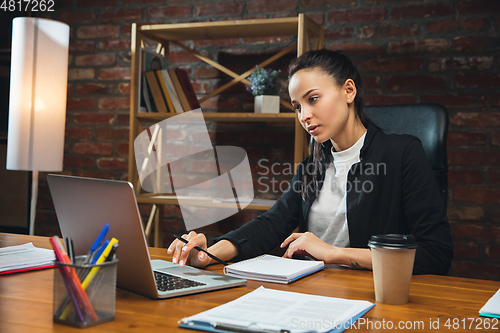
{"type": "Point", "coordinates": [78, 162]}
{"type": "Point", "coordinates": [495, 140]}
{"type": "Point", "coordinates": [420, 11]}
{"type": "Point", "coordinates": [81, 103]}
{"type": "Point", "coordinates": [465, 213]}
{"type": "Point", "coordinates": [389, 99]}
{"type": "Point", "coordinates": [182, 56]}
{"type": "Point", "coordinates": [110, 163]}
{"type": "Point", "coordinates": [371, 14]}
{"type": "Point", "coordinates": [264, 6]}
{"type": "Point", "coordinates": [94, 118]}
{"type": "Point", "coordinates": [452, 25]}
{"type": "Point", "coordinates": [122, 148]}
{"type": "Point", "coordinates": [207, 72]}
{"type": "Point", "coordinates": [95, 60]}
{"type": "Point", "coordinates": [465, 250]}
{"type": "Point", "coordinates": [169, 11]}
{"type": "Point", "coordinates": [480, 195]}
{"type": "Point", "coordinates": [466, 139]}
{"type": "Point", "coordinates": [78, 133]}
{"type": "Point", "coordinates": [266, 40]}
{"type": "Point", "coordinates": [326, 3]}
{"type": "Point", "coordinates": [472, 157]}
{"type": "Point", "coordinates": [456, 100]}
{"type": "Point", "coordinates": [494, 177]}
{"type": "Point", "coordinates": [112, 133]}
{"type": "Point", "coordinates": [80, 74]}
{"type": "Point", "coordinates": [476, 270]}
{"type": "Point", "coordinates": [96, 3]}
{"type": "Point", "coordinates": [81, 46]}
{"type": "Point", "coordinates": [92, 88]}
{"type": "Point", "coordinates": [437, 45]}
{"type": "Point", "coordinates": [493, 251]}
{"type": "Point", "coordinates": [128, 2]}
{"type": "Point", "coordinates": [464, 177]}
{"type": "Point", "coordinates": [124, 88]}
{"type": "Point", "coordinates": [371, 83]}
{"type": "Point", "coordinates": [201, 87]}
{"type": "Point", "coordinates": [387, 30]}
{"type": "Point", "coordinates": [319, 18]}
{"type": "Point", "coordinates": [98, 31]}
{"type": "Point", "coordinates": [265, 137]}
{"type": "Point", "coordinates": [220, 8]}
{"type": "Point", "coordinates": [392, 65]}
{"type": "Point", "coordinates": [341, 33]}
{"type": "Point", "coordinates": [476, 119]}
{"type": "Point", "coordinates": [77, 17]}
{"type": "Point", "coordinates": [87, 148]}
{"type": "Point", "coordinates": [94, 174]}
{"type": "Point", "coordinates": [402, 82]}
{"type": "Point", "coordinates": [114, 44]}
{"type": "Point", "coordinates": [495, 100]}
{"type": "Point", "coordinates": [114, 103]}
{"type": "Point", "coordinates": [473, 62]}
{"type": "Point", "coordinates": [121, 15]}
{"type": "Point", "coordinates": [357, 49]}
{"type": "Point", "coordinates": [123, 119]}
{"type": "Point", "coordinates": [477, 80]}
{"type": "Point", "coordinates": [218, 102]}
{"type": "Point", "coordinates": [475, 232]}
{"type": "Point", "coordinates": [478, 7]}
{"type": "Point", "coordinates": [467, 43]}
{"type": "Point", "coordinates": [116, 73]}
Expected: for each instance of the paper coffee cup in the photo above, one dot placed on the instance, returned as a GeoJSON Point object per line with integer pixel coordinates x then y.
{"type": "Point", "coordinates": [392, 263]}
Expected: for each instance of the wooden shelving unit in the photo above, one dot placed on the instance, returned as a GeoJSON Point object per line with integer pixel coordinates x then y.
{"type": "Point", "coordinates": [301, 26]}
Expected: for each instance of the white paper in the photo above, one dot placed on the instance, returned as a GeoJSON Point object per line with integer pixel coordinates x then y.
{"type": "Point", "coordinates": [24, 256]}
{"type": "Point", "coordinates": [275, 310]}
{"type": "Point", "coordinates": [492, 306]}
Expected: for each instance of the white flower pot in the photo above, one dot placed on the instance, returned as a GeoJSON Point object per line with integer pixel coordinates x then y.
{"type": "Point", "coordinates": [267, 104]}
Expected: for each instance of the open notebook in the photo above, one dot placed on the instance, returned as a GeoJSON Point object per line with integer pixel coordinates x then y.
{"type": "Point", "coordinates": [270, 268]}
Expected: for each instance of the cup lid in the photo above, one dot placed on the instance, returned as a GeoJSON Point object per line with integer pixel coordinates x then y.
{"type": "Point", "coordinates": [393, 241]}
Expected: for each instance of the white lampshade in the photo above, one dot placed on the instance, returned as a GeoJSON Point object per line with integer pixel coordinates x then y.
{"type": "Point", "coordinates": [38, 89]}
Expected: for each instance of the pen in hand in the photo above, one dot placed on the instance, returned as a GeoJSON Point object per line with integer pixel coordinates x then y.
{"type": "Point", "coordinates": [220, 261]}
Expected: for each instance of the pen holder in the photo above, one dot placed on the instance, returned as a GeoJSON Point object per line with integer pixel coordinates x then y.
{"type": "Point", "coordinates": [84, 295]}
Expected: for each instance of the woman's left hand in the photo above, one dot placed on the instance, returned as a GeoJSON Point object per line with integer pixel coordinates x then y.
{"type": "Point", "coordinates": [308, 244]}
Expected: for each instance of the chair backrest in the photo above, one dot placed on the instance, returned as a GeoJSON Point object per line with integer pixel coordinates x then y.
{"type": "Point", "coordinates": [428, 122]}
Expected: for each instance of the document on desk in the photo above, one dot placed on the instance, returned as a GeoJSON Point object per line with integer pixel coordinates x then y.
{"type": "Point", "coordinates": [269, 310]}
{"type": "Point", "coordinates": [14, 259]}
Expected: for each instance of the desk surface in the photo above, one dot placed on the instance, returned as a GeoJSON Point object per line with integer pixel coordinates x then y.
{"type": "Point", "coordinates": [26, 300]}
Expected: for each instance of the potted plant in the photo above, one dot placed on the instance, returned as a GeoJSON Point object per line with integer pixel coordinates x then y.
{"type": "Point", "coordinates": [265, 88]}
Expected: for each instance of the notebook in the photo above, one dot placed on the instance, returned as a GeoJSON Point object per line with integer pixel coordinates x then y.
{"type": "Point", "coordinates": [271, 268]}
{"type": "Point", "coordinates": [492, 307]}
{"type": "Point", "coordinates": [84, 205]}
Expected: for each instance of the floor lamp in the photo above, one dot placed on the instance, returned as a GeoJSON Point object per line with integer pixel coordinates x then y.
{"type": "Point", "coordinates": [37, 102]}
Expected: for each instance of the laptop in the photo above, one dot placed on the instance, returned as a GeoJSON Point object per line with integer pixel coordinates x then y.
{"type": "Point", "coordinates": [84, 205]}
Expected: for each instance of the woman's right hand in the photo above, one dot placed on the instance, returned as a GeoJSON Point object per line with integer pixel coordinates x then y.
{"type": "Point", "coordinates": [184, 254]}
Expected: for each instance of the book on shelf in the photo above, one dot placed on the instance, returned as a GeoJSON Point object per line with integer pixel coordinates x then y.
{"type": "Point", "coordinates": [187, 88]}
{"type": "Point", "coordinates": [169, 90]}
{"type": "Point", "coordinates": [156, 92]}
{"type": "Point", "coordinates": [271, 268]}
{"type": "Point", "coordinates": [178, 89]}
{"type": "Point", "coordinates": [148, 61]}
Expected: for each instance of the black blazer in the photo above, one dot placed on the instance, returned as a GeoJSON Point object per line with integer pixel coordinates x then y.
{"type": "Point", "coordinates": [391, 190]}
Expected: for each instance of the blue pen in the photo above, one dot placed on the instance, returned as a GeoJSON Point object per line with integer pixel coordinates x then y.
{"type": "Point", "coordinates": [98, 253]}
{"type": "Point", "coordinates": [97, 243]}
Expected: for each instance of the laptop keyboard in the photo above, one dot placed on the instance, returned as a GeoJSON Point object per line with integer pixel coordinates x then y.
{"type": "Point", "coordinates": [165, 282]}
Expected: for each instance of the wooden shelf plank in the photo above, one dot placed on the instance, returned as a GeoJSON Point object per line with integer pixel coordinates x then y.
{"type": "Point", "coordinates": [226, 116]}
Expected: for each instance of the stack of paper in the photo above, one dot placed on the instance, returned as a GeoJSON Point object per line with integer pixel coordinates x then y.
{"type": "Point", "coordinates": [273, 269]}
{"type": "Point", "coordinates": [24, 257]}
{"type": "Point", "coordinates": [268, 310]}
{"type": "Point", "coordinates": [492, 307]}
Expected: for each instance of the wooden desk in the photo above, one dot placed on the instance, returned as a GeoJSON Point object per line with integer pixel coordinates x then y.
{"type": "Point", "coordinates": [26, 300]}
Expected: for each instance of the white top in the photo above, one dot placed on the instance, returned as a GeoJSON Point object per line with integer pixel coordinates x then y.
{"type": "Point", "coordinates": [328, 213]}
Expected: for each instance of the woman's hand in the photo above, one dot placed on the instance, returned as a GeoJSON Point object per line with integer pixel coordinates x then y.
{"type": "Point", "coordinates": [308, 244]}
{"type": "Point", "coordinates": [184, 254]}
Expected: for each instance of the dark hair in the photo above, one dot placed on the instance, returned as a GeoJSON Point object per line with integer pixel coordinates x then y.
{"type": "Point", "coordinates": [337, 65]}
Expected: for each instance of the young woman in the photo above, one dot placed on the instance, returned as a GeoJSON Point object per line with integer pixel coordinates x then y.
{"type": "Point", "coordinates": [358, 182]}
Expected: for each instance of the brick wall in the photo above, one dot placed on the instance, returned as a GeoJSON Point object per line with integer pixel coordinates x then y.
{"type": "Point", "coordinates": [444, 52]}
